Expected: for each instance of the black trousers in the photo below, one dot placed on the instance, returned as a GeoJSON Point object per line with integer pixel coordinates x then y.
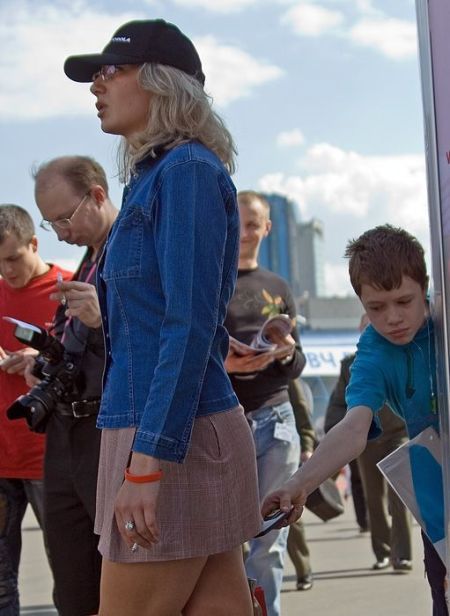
{"type": "Point", "coordinates": [358, 496]}
{"type": "Point", "coordinates": [390, 534]}
{"type": "Point", "coordinates": [15, 494]}
{"type": "Point", "coordinates": [70, 483]}
{"type": "Point", "coordinates": [436, 571]}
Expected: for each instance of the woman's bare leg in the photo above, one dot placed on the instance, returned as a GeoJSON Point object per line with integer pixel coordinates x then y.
{"type": "Point", "coordinates": [148, 589]}
{"type": "Point", "coordinates": [222, 588]}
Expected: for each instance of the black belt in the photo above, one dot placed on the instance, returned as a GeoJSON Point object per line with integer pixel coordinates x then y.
{"type": "Point", "coordinates": [82, 408]}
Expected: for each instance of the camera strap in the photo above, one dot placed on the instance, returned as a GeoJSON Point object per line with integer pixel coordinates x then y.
{"type": "Point", "coordinates": [89, 276]}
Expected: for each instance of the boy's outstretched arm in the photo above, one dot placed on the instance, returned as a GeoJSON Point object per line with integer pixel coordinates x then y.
{"type": "Point", "coordinates": [339, 446]}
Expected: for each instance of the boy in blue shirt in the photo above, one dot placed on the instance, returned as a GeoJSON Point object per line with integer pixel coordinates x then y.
{"type": "Point", "coordinates": [394, 364]}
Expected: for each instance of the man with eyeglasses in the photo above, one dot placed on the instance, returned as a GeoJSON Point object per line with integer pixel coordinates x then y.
{"type": "Point", "coordinates": [25, 284]}
{"type": "Point", "coordinates": [72, 195]}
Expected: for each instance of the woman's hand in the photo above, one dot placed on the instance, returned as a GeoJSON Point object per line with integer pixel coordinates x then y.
{"type": "Point", "coordinates": [136, 503]}
{"type": "Point", "coordinates": [81, 300]}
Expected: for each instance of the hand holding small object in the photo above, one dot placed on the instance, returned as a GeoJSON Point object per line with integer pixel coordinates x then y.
{"type": "Point", "coordinates": [289, 499]}
{"type": "Point", "coordinates": [81, 300]}
{"type": "Point", "coordinates": [59, 278]}
{"type": "Point", "coordinates": [274, 521]}
{"type": "Point", "coordinates": [247, 364]}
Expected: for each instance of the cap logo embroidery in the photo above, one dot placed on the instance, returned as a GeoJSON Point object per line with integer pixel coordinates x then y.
{"type": "Point", "coordinates": [121, 39]}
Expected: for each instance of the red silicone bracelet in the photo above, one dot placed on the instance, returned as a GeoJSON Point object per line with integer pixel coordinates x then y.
{"type": "Point", "coordinates": [156, 476]}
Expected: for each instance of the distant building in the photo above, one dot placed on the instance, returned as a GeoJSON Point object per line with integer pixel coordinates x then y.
{"type": "Point", "coordinates": [324, 351]}
{"type": "Point", "coordinates": [294, 249]}
{"type": "Point", "coordinates": [312, 258]}
{"type": "Point", "coordinates": [330, 313]}
{"type": "Point", "coordinates": [328, 332]}
{"type": "Point", "coordinates": [279, 251]}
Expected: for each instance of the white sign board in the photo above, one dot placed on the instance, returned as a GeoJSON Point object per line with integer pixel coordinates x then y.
{"type": "Point", "coordinates": [325, 360]}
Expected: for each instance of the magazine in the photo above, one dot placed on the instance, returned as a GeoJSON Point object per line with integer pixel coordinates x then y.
{"type": "Point", "coordinates": [261, 343]}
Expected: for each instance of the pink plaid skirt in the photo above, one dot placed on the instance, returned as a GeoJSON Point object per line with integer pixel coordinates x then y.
{"type": "Point", "coordinates": [207, 505]}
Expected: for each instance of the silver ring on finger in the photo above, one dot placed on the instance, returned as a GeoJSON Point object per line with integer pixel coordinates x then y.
{"type": "Point", "coordinates": [130, 525]}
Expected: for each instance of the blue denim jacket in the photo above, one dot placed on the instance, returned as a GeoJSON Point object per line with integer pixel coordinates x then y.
{"type": "Point", "coordinates": [166, 277]}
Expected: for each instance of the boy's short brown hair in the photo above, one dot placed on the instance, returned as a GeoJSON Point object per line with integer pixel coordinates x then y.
{"type": "Point", "coordinates": [14, 219]}
{"type": "Point", "coordinates": [381, 257]}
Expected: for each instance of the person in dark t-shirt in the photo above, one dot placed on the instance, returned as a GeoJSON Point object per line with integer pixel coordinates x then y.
{"type": "Point", "coordinates": [261, 381]}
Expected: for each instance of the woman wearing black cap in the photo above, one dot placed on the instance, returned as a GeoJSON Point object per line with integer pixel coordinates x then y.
{"type": "Point", "coordinates": [177, 491]}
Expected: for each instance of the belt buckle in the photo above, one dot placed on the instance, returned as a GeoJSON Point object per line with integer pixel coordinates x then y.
{"type": "Point", "coordinates": [75, 413]}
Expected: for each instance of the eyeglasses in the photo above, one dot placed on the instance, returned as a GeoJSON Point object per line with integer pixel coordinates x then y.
{"type": "Point", "coordinates": [61, 223]}
{"type": "Point", "coordinates": [106, 72]}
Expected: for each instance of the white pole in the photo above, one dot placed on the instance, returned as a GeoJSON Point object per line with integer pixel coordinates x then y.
{"type": "Point", "coordinates": [433, 22]}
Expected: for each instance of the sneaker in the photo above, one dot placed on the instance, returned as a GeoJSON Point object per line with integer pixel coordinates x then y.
{"type": "Point", "coordinates": [402, 565]}
{"type": "Point", "coordinates": [305, 582]}
{"type": "Point", "coordinates": [381, 564]}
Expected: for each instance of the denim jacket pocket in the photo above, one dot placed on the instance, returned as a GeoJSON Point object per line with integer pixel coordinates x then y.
{"type": "Point", "coordinates": [124, 257]}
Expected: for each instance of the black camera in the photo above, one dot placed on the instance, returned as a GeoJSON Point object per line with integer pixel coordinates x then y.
{"type": "Point", "coordinates": [56, 369]}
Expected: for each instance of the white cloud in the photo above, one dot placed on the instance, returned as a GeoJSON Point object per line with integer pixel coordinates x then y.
{"type": "Point", "coordinates": [292, 186]}
{"type": "Point", "coordinates": [349, 182]}
{"type": "Point", "coordinates": [351, 192]}
{"type": "Point", "coordinates": [312, 20]}
{"type": "Point", "coordinates": [231, 73]}
{"type": "Point", "coordinates": [217, 6]}
{"type": "Point", "coordinates": [394, 38]}
{"type": "Point", "coordinates": [39, 38]}
{"type": "Point", "coordinates": [365, 6]}
{"type": "Point", "coordinates": [290, 138]}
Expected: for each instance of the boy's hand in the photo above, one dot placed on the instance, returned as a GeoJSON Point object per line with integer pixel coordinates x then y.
{"type": "Point", "coordinates": [284, 498]}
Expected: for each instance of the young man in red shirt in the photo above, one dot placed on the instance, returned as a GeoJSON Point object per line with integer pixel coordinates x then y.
{"type": "Point", "coordinates": [25, 285]}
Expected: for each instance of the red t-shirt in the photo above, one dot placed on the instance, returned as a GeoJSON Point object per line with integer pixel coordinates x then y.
{"type": "Point", "coordinates": [22, 451]}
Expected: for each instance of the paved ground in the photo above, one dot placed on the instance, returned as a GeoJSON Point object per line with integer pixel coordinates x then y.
{"type": "Point", "coordinates": [341, 557]}
{"type": "Point", "coordinates": [344, 583]}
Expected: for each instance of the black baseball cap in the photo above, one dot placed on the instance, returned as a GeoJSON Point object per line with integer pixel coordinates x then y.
{"type": "Point", "coordinates": [136, 42]}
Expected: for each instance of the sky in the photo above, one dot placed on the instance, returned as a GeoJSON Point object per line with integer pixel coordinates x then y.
{"type": "Point", "coordinates": [322, 97]}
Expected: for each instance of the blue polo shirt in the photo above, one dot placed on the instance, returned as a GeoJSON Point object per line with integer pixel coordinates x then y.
{"type": "Point", "coordinates": [401, 376]}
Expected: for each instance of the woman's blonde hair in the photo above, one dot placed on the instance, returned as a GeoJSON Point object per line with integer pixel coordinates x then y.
{"type": "Point", "coordinates": [179, 111]}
